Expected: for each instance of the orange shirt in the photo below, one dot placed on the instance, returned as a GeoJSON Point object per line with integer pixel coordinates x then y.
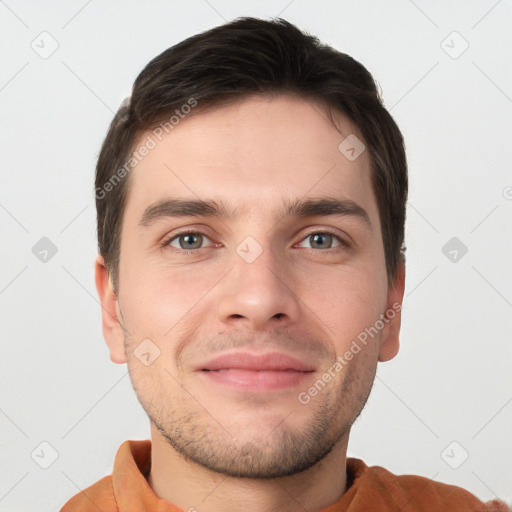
{"type": "Point", "coordinates": [368, 489]}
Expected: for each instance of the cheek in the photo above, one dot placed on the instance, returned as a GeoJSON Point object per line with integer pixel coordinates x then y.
{"type": "Point", "coordinates": [163, 300]}
{"type": "Point", "coordinates": [347, 303]}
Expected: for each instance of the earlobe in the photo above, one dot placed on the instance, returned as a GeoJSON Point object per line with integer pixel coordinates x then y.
{"type": "Point", "coordinates": [112, 328]}
{"type": "Point", "coordinates": [390, 335]}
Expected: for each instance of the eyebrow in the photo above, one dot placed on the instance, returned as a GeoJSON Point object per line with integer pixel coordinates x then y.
{"type": "Point", "coordinates": [310, 207]}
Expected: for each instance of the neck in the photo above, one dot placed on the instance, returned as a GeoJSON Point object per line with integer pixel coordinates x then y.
{"type": "Point", "coordinates": [194, 488]}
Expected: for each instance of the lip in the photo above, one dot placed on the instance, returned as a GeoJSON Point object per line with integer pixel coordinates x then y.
{"type": "Point", "coordinates": [269, 361]}
{"type": "Point", "coordinates": [256, 372]}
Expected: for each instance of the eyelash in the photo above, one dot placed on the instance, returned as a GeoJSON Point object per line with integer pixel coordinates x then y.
{"type": "Point", "coordinates": [167, 240]}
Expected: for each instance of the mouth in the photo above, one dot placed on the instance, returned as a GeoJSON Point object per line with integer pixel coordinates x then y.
{"type": "Point", "coordinates": [256, 372]}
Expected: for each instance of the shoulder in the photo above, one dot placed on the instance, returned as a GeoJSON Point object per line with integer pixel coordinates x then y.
{"type": "Point", "coordinates": [417, 493]}
{"type": "Point", "coordinates": [99, 496]}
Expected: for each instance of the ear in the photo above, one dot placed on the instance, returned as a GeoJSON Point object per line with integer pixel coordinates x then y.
{"type": "Point", "coordinates": [110, 313]}
{"type": "Point", "coordinates": [389, 341]}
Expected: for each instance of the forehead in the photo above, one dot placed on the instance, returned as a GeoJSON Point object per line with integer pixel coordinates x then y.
{"type": "Point", "coordinates": [251, 154]}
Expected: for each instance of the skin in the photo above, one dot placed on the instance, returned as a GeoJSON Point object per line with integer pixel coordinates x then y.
{"type": "Point", "coordinates": [217, 447]}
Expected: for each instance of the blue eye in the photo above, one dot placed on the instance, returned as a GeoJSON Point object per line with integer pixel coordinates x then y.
{"type": "Point", "coordinates": [323, 240]}
{"type": "Point", "coordinates": [187, 241]}
{"type": "Point", "coordinates": [190, 241]}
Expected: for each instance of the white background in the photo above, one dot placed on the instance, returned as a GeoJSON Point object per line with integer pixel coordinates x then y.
{"type": "Point", "coordinates": [451, 380]}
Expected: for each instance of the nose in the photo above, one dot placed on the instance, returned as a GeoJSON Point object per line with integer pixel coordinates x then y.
{"type": "Point", "coordinates": [258, 295]}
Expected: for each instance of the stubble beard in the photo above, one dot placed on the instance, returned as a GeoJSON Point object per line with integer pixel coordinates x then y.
{"type": "Point", "coordinates": [209, 442]}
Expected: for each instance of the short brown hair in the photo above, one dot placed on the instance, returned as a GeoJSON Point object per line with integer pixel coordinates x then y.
{"type": "Point", "coordinates": [227, 63]}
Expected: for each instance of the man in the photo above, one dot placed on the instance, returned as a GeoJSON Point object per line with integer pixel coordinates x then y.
{"type": "Point", "coordinates": [251, 205]}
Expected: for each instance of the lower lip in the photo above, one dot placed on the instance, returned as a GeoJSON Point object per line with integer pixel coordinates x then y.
{"type": "Point", "coordinates": [262, 380]}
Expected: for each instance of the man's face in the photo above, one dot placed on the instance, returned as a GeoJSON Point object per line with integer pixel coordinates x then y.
{"type": "Point", "coordinates": [279, 296]}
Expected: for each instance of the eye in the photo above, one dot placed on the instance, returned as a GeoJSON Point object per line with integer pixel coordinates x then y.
{"type": "Point", "coordinates": [323, 240]}
{"type": "Point", "coordinates": [186, 241]}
